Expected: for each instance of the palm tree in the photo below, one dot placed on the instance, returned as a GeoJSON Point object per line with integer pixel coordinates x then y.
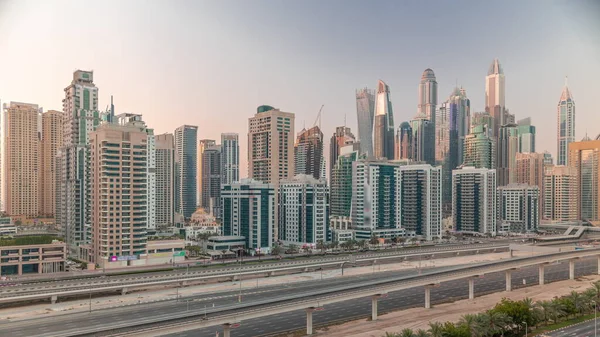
{"type": "Point", "coordinates": [470, 321]}
{"type": "Point", "coordinates": [407, 333]}
{"type": "Point", "coordinates": [557, 310]}
{"type": "Point", "coordinates": [361, 244]}
{"type": "Point", "coordinates": [578, 301]}
{"type": "Point", "coordinates": [422, 333]}
{"type": "Point", "coordinates": [276, 250]}
{"type": "Point", "coordinates": [374, 239]}
{"type": "Point", "coordinates": [493, 322]}
{"type": "Point", "coordinates": [545, 308]}
{"type": "Point", "coordinates": [321, 246]}
{"type": "Point", "coordinates": [436, 329]}
{"type": "Point", "coordinates": [391, 334]}
{"type": "Point", "coordinates": [596, 289]}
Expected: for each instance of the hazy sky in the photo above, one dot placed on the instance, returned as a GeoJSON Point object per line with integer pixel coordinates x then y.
{"type": "Point", "coordinates": [211, 63]}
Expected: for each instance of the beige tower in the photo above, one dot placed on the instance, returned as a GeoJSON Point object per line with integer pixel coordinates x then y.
{"type": "Point", "coordinates": [119, 190]}
{"type": "Point", "coordinates": [584, 158]}
{"type": "Point", "coordinates": [271, 145]}
{"type": "Point", "coordinates": [203, 144]}
{"type": "Point", "coordinates": [21, 176]}
{"type": "Point", "coordinates": [560, 193]}
{"type": "Point", "coordinates": [52, 139]}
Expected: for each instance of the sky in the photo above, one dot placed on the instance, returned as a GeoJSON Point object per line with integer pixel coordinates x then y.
{"type": "Point", "coordinates": [212, 63]}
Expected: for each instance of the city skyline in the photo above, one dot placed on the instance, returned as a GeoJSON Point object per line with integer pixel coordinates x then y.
{"type": "Point", "coordinates": [526, 94]}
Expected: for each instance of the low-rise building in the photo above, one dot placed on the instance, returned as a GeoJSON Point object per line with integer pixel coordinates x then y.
{"type": "Point", "coordinates": [31, 257]}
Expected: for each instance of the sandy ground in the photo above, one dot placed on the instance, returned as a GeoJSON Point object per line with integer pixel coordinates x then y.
{"type": "Point", "coordinates": [148, 296]}
{"type": "Point", "coordinates": [419, 318]}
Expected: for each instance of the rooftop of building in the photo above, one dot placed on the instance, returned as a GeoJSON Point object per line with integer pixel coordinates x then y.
{"type": "Point", "coordinates": [31, 240]}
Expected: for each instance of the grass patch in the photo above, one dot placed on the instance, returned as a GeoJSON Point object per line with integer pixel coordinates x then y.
{"type": "Point", "coordinates": [562, 324]}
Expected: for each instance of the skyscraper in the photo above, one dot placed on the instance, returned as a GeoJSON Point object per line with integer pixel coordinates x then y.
{"type": "Point", "coordinates": [249, 210]}
{"type": "Point", "coordinates": [365, 113]}
{"type": "Point", "coordinates": [187, 164]}
{"type": "Point", "coordinates": [119, 187]}
{"type": "Point", "coordinates": [230, 158]}
{"type": "Point", "coordinates": [508, 146]}
{"type": "Point", "coordinates": [52, 139]}
{"type": "Point", "coordinates": [423, 140]}
{"type": "Point", "coordinates": [383, 129]}
{"type": "Point", "coordinates": [211, 180]}
{"type": "Point", "coordinates": [420, 200]}
{"type": "Point", "coordinates": [404, 142]}
{"type": "Point", "coordinates": [530, 169]}
{"type": "Point", "coordinates": [480, 149]}
{"type": "Point", "coordinates": [560, 193]}
{"type": "Point", "coordinates": [341, 181]}
{"type": "Point", "coordinates": [303, 210]}
{"type": "Point", "coordinates": [342, 137]}
{"type": "Point", "coordinates": [526, 135]}
{"type": "Point", "coordinates": [428, 95]}
{"type": "Point", "coordinates": [584, 158]}
{"type": "Point", "coordinates": [565, 134]}
{"type": "Point", "coordinates": [165, 179]}
{"type": "Point", "coordinates": [308, 153]}
{"type": "Point", "coordinates": [495, 96]}
{"type": "Point", "coordinates": [375, 199]}
{"type": "Point", "coordinates": [271, 145]}
{"type": "Point", "coordinates": [452, 125]}
{"type": "Point", "coordinates": [482, 118]}
{"type": "Point", "coordinates": [22, 171]}
{"type": "Point", "coordinates": [81, 117]}
{"type": "Point", "coordinates": [474, 200]}
{"type": "Point", "coordinates": [519, 207]}
{"type": "Point", "coordinates": [203, 144]}
{"type": "Point", "coordinates": [135, 120]}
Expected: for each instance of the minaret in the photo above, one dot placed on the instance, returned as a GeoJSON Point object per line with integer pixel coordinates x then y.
{"type": "Point", "coordinates": [565, 131]}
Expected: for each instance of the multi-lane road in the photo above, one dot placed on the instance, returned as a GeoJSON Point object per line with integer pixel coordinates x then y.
{"type": "Point", "coordinates": [40, 289]}
{"type": "Point", "coordinates": [585, 329]}
{"type": "Point", "coordinates": [55, 326]}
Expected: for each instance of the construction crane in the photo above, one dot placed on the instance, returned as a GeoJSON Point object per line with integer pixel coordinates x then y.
{"type": "Point", "coordinates": [319, 117]}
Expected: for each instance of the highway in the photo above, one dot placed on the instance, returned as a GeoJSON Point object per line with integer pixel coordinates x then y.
{"type": "Point", "coordinates": [112, 283]}
{"type": "Point", "coordinates": [585, 329]}
{"type": "Point", "coordinates": [228, 301]}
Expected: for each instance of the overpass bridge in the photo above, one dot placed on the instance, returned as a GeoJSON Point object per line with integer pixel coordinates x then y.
{"type": "Point", "coordinates": [315, 299]}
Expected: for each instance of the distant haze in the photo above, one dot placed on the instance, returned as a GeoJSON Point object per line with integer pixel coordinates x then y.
{"type": "Point", "coordinates": [211, 63]}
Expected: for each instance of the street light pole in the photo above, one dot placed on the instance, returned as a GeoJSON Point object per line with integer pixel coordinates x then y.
{"type": "Point", "coordinates": [525, 328]}
{"type": "Point", "coordinates": [595, 321]}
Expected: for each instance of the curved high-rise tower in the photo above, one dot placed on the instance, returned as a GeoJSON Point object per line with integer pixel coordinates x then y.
{"type": "Point", "coordinates": [428, 95]}
{"type": "Point", "coordinates": [365, 112]}
{"type": "Point", "coordinates": [566, 125]}
{"type": "Point", "coordinates": [383, 128]}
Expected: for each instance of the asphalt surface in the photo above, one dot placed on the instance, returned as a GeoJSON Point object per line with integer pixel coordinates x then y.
{"type": "Point", "coordinates": [18, 288]}
{"type": "Point", "coordinates": [404, 299]}
{"type": "Point", "coordinates": [585, 329]}
{"type": "Point", "coordinates": [448, 291]}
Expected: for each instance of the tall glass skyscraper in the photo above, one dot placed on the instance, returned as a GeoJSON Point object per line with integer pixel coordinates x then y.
{"type": "Point", "coordinates": [365, 112]}
{"type": "Point", "coordinates": [186, 138]}
{"type": "Point", "coordinates": [453, 122]}
{"type": "Point", "coordinates": [566, 125]}
{"type": "Point", "coordinates": [423, 139]}
{"type": "Point", "coordinates": [383, 129]}
{"type": "Point", "coordinates": [230, 158]}
{"type": "Point", "coordinates": [428, 95]}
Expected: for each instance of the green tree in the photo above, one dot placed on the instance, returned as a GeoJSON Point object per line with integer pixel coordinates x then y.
{"type": "Point", "coordinates": [469, 321]}
{"type": "Point", "coordinates": [492, 322]}
{"type": "Point", "coordinates": [321, 246]}
{"type": "Point", "coordinates": [276, 250]}
{"type": "Point", "coordinates": [374, 239]}
{"type": "Point", "coordinates": [436, 329]}
{"type": "Point", "coordinates": [452, 330]}
{"type": "Point", "coordinates": [407, 333]}
{"type": "Point", "coordinates": [361, 244]}
{"type": "Point", "coordinates": [422, 333]}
